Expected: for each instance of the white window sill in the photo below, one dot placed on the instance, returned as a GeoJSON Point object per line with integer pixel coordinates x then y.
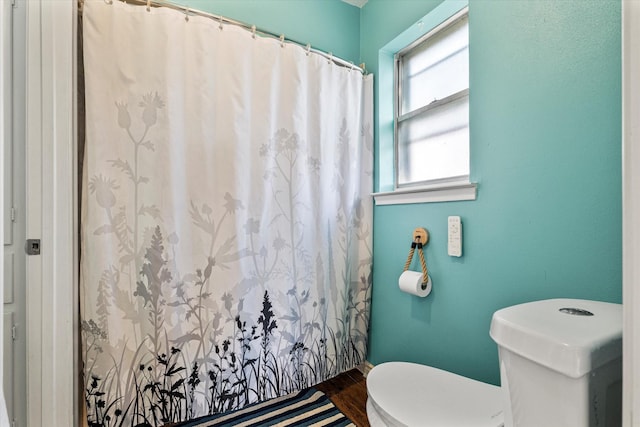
{"type": "Point", "coordinates": [445, 193]}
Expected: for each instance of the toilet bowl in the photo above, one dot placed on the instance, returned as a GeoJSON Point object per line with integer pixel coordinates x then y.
{"type": "Point", "coordinates": [409, 394]}
{"type": "Point", "coordinates": [560, 366]}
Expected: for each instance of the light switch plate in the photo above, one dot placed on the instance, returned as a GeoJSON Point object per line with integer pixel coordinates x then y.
{"type": "Point", "coordinates": [455, 236]}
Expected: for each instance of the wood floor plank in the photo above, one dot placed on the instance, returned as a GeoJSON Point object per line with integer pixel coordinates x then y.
{"type": "Point", "coordinates": [348, 391]}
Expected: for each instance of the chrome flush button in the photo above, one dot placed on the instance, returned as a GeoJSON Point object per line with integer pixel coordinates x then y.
{"type": "Point", "coordinates": [576, 311]}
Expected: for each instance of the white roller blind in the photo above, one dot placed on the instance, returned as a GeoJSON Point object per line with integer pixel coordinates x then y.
{"type": "Point", "coordinates": [432, 122]}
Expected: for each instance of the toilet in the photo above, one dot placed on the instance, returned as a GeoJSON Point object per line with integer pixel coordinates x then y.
{"type": "Point", "coordinates": [560, 366]}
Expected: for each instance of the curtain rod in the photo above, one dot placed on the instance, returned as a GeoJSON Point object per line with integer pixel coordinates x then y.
{"type": "Point", "coordinates": [195, 12]}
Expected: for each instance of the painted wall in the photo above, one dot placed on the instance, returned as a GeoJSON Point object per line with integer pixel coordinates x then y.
{"type": "Point", "coordinates": [328, 25]}
{"type": "Point", "coordinates": [545, 95]}
{"type": "Point", "coordinates": [545, 152]}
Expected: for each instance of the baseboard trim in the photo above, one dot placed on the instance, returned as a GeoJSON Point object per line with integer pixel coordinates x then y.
{"type": "Point", "coordinates": [365, 367]}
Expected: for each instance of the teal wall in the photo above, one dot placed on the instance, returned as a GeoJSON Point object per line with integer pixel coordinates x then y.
{"type": "Point", "coordinates": [328, 25]}
{"type": "Point", "coordinates": [545, 151]}
{"type": "Point", "coordinates": [545, 114]}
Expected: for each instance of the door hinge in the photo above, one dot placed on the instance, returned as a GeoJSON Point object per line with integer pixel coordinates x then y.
{"type": "Point", "coordinates": [14, 332]}
{"type": "Point", "coordinates": [13, 214]}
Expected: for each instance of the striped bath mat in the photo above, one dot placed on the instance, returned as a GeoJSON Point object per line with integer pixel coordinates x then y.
{"type": "Point", "coordinates": [308, 407]}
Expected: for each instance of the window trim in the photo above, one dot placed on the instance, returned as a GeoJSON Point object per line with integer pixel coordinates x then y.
{"type": "Point", "coordinates": [447, 192]}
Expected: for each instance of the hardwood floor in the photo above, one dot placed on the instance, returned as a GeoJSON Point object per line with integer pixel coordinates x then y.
{"type": "Point", "coordinates": [348, 391]}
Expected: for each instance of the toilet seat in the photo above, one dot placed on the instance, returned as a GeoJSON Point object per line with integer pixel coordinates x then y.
{"type": "Point", "coordinates": [409, 394]}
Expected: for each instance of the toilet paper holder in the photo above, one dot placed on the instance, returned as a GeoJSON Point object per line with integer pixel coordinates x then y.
{"type": "Point", "coordinates": [420, 239]}
{"type": "Point", "coordinates": [420, 235]}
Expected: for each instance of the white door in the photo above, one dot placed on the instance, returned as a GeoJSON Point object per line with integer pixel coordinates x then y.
{"type": "Point", "coordinates": [14, 341]}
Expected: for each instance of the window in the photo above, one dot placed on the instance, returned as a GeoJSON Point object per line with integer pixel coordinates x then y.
{"type": "Point", "coordinates": [432, 107]}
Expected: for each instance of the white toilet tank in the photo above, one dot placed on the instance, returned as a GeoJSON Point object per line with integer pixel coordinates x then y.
{"type": "Point", "coordinates": [560, 363]}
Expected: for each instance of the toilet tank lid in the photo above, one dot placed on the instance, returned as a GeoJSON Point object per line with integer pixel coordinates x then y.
{"type": "Point", "coordinates": [570, 336]}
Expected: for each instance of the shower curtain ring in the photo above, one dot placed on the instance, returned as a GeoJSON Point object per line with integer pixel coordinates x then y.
{"type": "Point", "coordinates": [308, 49]}
{"type": "Point", "coordinates": [281, 40]}
{"type": "Point", "coordinates": [253, 31]}
{"type": "Point", "coordinates": [220, 23]}
{"type": "Point", "coordinates": [186, 14]}
{"type": "Point", "coordinates": [330, 58]}
{"type": "Point", "coordinates": [148, 5]}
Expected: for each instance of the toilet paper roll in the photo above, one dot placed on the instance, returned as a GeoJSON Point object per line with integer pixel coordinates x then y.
{"type": "Point", "coordinates": [411, 283]}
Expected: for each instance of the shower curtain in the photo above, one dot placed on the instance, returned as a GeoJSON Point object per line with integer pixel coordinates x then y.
{"type": "Point", "coordinates": [226, 216]}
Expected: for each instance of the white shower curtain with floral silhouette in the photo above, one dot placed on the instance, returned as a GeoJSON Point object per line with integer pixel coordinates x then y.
{"type": "Point", "coordinates": [226, 216]}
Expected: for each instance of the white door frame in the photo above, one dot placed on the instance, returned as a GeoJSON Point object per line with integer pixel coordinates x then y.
{"type": "Point", "coordinates": [52, 373]}
{"type": "Point", "coordinates": [631, 210]}
{"type": "Point", "coordinates": [5, 133]}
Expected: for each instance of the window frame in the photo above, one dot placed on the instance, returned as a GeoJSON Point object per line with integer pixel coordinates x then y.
{"type": "Point", "coordinates": [438, 183]}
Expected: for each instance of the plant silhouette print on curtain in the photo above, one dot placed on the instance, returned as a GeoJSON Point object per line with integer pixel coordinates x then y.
{"type": "Point", "coordinates": [256, 361]}
{"type": "Point", "coordinates": [226, 247]}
